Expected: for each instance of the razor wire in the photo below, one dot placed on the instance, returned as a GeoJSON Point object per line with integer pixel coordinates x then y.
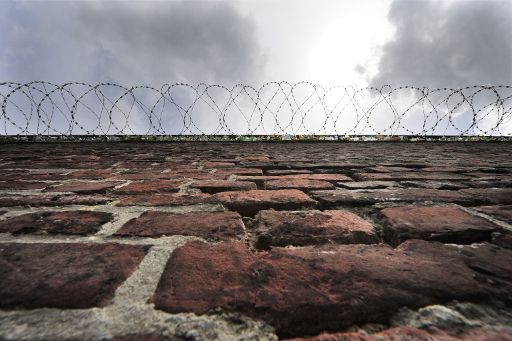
{"type": "Point", "coordinates": [275, 108]}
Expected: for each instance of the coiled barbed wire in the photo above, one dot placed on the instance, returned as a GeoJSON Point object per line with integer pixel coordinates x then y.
{"type": "Point", "coordinates": [275, 108]}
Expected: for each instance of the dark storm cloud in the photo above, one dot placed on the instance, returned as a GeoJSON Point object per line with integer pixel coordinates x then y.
{"type": "Point", "coordinates": [451, 43]}
{"type": "Point", "coordinates": [128, 42]}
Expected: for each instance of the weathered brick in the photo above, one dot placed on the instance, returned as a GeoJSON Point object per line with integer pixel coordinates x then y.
{"type": "Point", "coordinates": [209, 225]}
{"type": "Point", "coordinates": [408, 176]}
{"type": "Point", "coordinates": [368, 184]}
{"type": "Point", "coordinates": [166, 199]}
{"type": "Point", "coordinates": [249, 203]}
{"type": "Point", "coordinates": [412, 334]}
{"type": "Point", "coordinates": [277, 172]}
{"type": "Point", "coordinates": [213, 187]}
{"type": "Point", "coordinates": [255, 158]}
{"type": "Point", "coordinates": [302, 184]}
{"type": "Point", "coordinates": [307, 290]}
{"type": "Point", "coordinates": [82, 187]}
{"type": "Point", "coordinates": [150, 186]}
{"type": "Point", "coordinates": [440, 223]}
{"type": "Point", "coordinates": [502, 239]}
{"type": "Point", "coordinates": [493, 195]}
{"type": "Point", "coordinates": [67, 275]}
{"type": "Point", "coordinates": [91, 174]}
{"type": "Point", "coordinates": [281, 228]}
{"type": "Point", "coordinates": [219, 164]}
{"type": "Point", "coordinates": [364, 197]}
{"type": "Point", "coordinates": [226, 172]}
{"type": "Point", "coordinates": [51, 200]}
{"type": "Point", "coordinates": [260, 180]}
{"type": "Point", "coordinates": [449, 185]}
{"type": "Point", "coordinates": [501, 212]}
{"type": "Point", "coordinates": [323, 176]}
{"type": "Point", "coordinates": [64, 222]}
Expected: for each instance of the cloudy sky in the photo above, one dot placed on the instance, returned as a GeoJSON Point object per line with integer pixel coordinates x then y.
{"type": "Point", "coordinates": [361, 43]}
{"type": "Point", "coordinates": [344, 42]}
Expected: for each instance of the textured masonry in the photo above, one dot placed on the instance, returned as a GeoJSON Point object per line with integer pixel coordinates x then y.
{"type": "Point", "coordinates": [256, 241]}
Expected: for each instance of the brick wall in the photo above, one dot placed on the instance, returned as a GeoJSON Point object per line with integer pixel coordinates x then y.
{"type": "Point", "coordinates": [255, 241]}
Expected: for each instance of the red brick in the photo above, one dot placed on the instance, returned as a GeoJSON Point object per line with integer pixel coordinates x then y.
{"type": "Point", "coordinates": [22, 185]}
{"type": "Point", "coordinates": [281, 228]}
{"type": "Point", "coordinates": [302, 184]}
{"type": "Point", "coordinates": [150, 186]}
{"type": "Point", "coordinates": [67, 275]}
{"type": "Point", "coordinates": [445, 224]}
{"type": "Point", "coordinates": [64, 222]}
{"type": "Point", "coordinates": [209, 225]}
{"type": "Point", "coordinates": [368, 184]}
{"type": "Point", "coordinates": [166, 199]}
{"type": "Point", "coordinates": [249, 203]}
{"type": "Point", "coordinates": [501, 212]}
{"type": "Point", "coordinates": [51, 200]}
{"type": "Point", "coordinates": [308, 290]}
{"type": "Point", "coordinates": [213, 187]}
{"type": "Point", "coordinates": [364, 197]}
{"type": "Point", "coordinates": [408, 176]}
{"type": "Point", "coordinates": [84, 187]}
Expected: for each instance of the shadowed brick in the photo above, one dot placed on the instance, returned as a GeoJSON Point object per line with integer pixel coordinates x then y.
{"type": "Point", "coordinates": [65, 222]}
{"type": "Point", "coordinates": [302, 184]}
{"type": "Point", "coordinates": [501, 212]}
{"type": "Point", "coordinates": [82, 187]}
{"type": "Point", "coordinates": [166, 199]}
{"type": "Point", "coordinates": [209, 225]}
{"type": "Point", "coordinates": [150, 186]}
{"type": "Point", "coordinates": [67, 275]}
{"type": "Point", "coordinates": [213, 187]}
{"type": "Point", "coordinates": [249, 203]}
{"type": "Point", "coordinates": [307, 290]}
{"type": "Point", "coordinates": [445, 224]}
{"type": "Point", "coordinates": [281, 228]}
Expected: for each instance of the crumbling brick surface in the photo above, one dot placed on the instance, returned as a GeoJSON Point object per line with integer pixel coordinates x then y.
{"type": "Point", "coordinates": [256, 241]}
